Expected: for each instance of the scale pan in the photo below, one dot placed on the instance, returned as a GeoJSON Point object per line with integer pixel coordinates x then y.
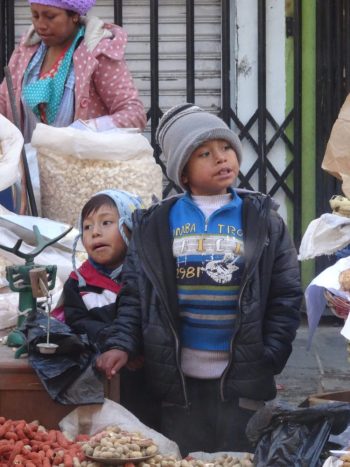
{"type": "Point", "coordinates": [45, 347]}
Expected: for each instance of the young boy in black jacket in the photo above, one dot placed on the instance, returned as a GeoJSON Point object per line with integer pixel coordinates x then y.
{"type": "Point", "coordinates": [89, 294]}
{"type": "Point", "coordinates": [212, 290]}
{"type": "Point", "coordinates": [88, 302]}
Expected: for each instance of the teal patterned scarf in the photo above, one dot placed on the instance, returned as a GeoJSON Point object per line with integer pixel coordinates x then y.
{"type": "Point", "coordinates": [50, 90]}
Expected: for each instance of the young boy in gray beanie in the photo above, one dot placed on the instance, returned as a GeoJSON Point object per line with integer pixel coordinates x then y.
{"type": "Point", "coordinates": [212, 290]}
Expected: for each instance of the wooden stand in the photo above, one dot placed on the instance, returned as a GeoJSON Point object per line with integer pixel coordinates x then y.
{"type": "Point", "coordinates": [22, 395]}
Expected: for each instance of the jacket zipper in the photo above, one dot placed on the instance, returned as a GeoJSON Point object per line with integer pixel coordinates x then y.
{"type": "Point", "coordinates": [247, 276]}
{"type": "Point", "coordinates": [152, 274]}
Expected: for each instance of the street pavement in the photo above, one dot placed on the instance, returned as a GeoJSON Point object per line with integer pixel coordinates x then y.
{"type": "Point", "coordinates": [323, 368]}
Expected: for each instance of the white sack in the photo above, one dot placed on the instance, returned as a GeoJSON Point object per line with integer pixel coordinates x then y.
{"type": "Point", "coordinates": [332, 461]}
{"type": "Point", "coordinates": [107, 146]}
{"type": "Point", "coordinates": [314, 294]}
{"type": "Point", "coordinates": [23, 227]}
{"type": "Point", "coordinates": [11, 143]}
{"type": "Point", "coordinates": [14, 227]}
{"type": "Point", "coordinates": [8, 309]}
{"type": "Point", "coordinates": [324, 236]}
{"type": "Point", "coordinates": [50, 256]}
{"type": "Point", "coordinates": [91, 419]}
{"type": "Point", "coordinates": [75, 164]}
{"type": "Point", "coordinates": [9, 302]}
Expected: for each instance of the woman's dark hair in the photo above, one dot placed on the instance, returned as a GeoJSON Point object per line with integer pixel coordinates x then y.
{"type": "Point", "coordinates": [95, 203]}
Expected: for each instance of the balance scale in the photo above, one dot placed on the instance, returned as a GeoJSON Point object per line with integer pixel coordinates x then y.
{"type": "Point", "coordinates": [31, 281]}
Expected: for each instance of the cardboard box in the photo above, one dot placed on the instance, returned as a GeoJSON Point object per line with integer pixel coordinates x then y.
{"type": "Point", "coordinates": [22, 395]}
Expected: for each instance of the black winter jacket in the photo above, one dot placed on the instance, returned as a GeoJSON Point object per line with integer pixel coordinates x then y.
{"type": "Point", "coordinates": [269, 303]}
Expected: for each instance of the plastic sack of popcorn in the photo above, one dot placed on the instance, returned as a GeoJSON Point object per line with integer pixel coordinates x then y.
{"type": "Point", "coordinates": [74, 164]}
{"type": "Point", "coordinates": [11, 143]}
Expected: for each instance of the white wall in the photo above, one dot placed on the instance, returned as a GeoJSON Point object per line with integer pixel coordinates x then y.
{"type": "Point", "coordinates": [245, 91]}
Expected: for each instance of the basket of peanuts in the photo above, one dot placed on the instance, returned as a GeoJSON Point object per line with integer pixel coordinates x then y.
{"type": "Point", "coordinates": [345, 459]}
{"type": "Point", "coordinates": [30, 444]}
{"type": "Point", "coordinates": [115, 446]}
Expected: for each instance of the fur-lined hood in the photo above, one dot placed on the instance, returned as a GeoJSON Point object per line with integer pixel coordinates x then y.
{"type": "Point", "coordinates": [95, 31]}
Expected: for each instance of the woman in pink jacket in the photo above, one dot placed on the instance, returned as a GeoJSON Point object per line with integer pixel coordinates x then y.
{"type": "Point", "coordinates": [69, 67]}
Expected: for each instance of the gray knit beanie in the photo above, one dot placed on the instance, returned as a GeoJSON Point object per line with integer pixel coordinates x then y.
{"type": "Point", "coordinates": [185, 127]}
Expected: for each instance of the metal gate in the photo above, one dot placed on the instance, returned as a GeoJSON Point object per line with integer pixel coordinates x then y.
{"type": "Point", "coordinates": [267, 132]}
{"type": "Point", "coordinates": [333, 84]}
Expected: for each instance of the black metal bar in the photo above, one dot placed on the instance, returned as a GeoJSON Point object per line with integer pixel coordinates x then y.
{"type": "Point", "coordinates": [29, 186]}
{"type": "Point", "coordinates": [347, 46]}
{"type": "Point", "coordinates": [329, 17]}
{"type": "Point", "coordinates": [280, 180]}
{"type": "Point", "coordinates": [338, 53]}
{"type": "Point", "coordinates": [118, 12]}
{"type": "Point", "coordinates": [326, 111]}
{"type": "Point", "coordinates": [280, 132]}
{"type": "Point", "coordinates": [297, 121]}
{"type": "Point", "coordinates": [3, 41]}
{"type": "Point", "coordinates": [7, 31]}
{"type": "Point", "coordinates": [244, 129]}
{"type": "Point", "coordinates": [225, 78]}
{"type": "Point", "coordinates": [154, 39]}
{"type": "Point", "coordinates": [190, 58]}
{"type": "Point", "coordinates": [262, 94]}
{"type": "Point", "coordinates": [10, 26]}
{"type": "Point", "coordinates": [322, 12]}
{"type": "Point", "coordinates": [320, 96]}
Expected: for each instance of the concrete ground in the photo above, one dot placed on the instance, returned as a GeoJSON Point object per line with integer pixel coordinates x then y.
{"type": "Point", "coordinates": [324, 368]}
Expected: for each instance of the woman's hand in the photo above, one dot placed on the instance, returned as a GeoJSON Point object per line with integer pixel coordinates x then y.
{"type": "Point", "coordinates": [111, 362]}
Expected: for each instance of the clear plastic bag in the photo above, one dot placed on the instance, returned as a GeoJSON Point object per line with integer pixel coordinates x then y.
{"type": "Point", "coordinates": [11, 143]}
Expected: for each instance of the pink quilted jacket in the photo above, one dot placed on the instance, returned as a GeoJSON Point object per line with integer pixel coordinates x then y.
{"type": "Point", "coordinates": [103, 85]}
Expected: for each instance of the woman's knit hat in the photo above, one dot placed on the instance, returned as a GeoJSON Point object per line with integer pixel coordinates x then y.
{"type": "Point", "coordinates": [185, 127]}
{"type": "Point", "coordinates": [126, 203]}
{"type": "Point", "coordinates": [79, 6]}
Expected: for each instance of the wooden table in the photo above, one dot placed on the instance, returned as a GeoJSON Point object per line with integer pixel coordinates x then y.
{"type": "Point", "coordinates": [22, 395]}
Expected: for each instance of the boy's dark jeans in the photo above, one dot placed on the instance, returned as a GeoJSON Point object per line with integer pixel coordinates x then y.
{"type": "Point", "coordinates": [209, 425]}
{"type": "Point", "coordinates": [136, 397]}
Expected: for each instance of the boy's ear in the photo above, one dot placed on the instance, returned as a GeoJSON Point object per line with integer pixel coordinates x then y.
{"type": "Point", "coordinates": [184, 178]}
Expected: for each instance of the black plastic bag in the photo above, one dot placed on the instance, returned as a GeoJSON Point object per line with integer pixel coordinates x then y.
{"type": "Point", "coordinates": [286, 436]}
{"type": "Point", "coordinates": [68, 375]}
{"type": "Point", "coordinates": [68, 342]}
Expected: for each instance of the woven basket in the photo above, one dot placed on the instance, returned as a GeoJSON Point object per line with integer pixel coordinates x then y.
{"type": "Point", "coordinates": [338, 306]}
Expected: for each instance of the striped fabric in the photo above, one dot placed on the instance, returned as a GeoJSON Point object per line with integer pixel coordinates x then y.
{"type": "Point", "coordinates": [209, 257]}
{"type": "Point", "coordinates": [208, 315]}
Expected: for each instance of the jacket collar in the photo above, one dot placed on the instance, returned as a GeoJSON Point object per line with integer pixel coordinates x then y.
{"type": "Point", "coordinates": [156, 246]}
{"type": "Point", "coordinates": [95, 31]}
{"type": "Point", "coordinates": [233, 202]}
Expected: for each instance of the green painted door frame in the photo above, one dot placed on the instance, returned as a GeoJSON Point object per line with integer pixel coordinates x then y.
{"type": "Point", "coordinates": [308, 109]}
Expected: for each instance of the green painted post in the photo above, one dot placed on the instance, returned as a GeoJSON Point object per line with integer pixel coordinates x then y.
{"type": "Point", "coordinates": [308, 125]}
{"type": "Point", "coordinates": [308, 108]}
